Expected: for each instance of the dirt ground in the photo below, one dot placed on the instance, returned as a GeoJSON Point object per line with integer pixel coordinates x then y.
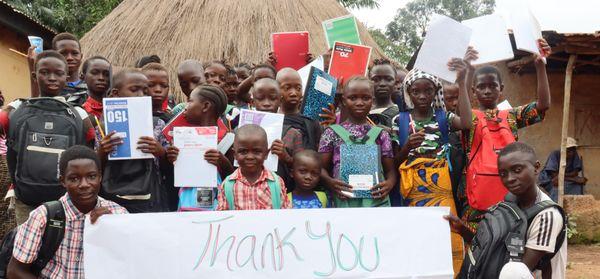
{"type": "Point", "coordinates": [583, 261]}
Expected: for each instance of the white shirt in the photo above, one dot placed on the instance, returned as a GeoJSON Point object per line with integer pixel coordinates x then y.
{"type": "Point", "coordinates": [542, 234]}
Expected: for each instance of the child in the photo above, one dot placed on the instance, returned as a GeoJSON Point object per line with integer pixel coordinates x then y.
{"type": "Point", "coordinates": [215, 73]}
{"type": "Point", "coordinates": [231, 85]}
{"type": "Point", "coordinates": [484, 188]}
{"type": "Point", "coordinates": [424, 139]}
{"type": "Point", "coordinates": [357, 99]}
{"type": "Point", "coordinates": [383, 75]}
{"type": "Point", "coordinates": [203, 109]}
{"type": "Point", "coordinates": [36, 179]}
{"type": "Point", "coordinates": [251, 186]}
{"type": "Point", "coordinates": [158, 89]}
{"type": "Point", "coordinates": [80, 175]}
{"type": "Point", "coordinates": [145, 60]}
{"type": "Point", "coordinates": [306, 172]}
{"type": "Point", "coordinates": [135, 184]}
{"type": "Point", "coordinates": [242, 70]}
{"type": "Point", "coordinates": [518, 169]}
{"type": "Point", "coordinates": [266, 96]}
{"type": "Point", "coordinates": [257, 73]}
{"type": "Point", "coordinates": [97, 73]}
{"type": "Point", "coordinates": [291, 99]}
{"type": "Point", "coordinates": [190, 74]}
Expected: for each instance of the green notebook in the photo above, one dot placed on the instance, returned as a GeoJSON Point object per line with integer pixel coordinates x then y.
{"type": "Point", "coordinates": [341, 29]}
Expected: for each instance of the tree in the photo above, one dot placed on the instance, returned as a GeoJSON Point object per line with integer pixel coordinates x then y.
{"type": "Point", "coordinates": [357, 4]}
{"type": "Point", "coordinates": [409, 25]}
{"type": "Point", "coordinates": [392, 51]}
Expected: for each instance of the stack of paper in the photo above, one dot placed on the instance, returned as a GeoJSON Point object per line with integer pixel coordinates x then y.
{"type": "Point", "coordinates": [131, 118]}
{"type": "Point", "coordinates": [319, 93]}
{"type": "Point", "coordinates": [191, 169]}
{"type": "Point", "coordinates": [341, 29]}
{"type": "Point", "coordinates": [490, 38]}
{"type": "Point", "coordinates": [348, 60]}
{"type": "Point", "coordinates": [290, 49]}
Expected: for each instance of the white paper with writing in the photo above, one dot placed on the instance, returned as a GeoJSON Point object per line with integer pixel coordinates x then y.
{"type": "Point", "coordinates": [191, 169]}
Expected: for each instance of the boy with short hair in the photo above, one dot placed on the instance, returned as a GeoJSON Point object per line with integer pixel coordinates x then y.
{"type": "Point", "coordinates": [383, 75]}
{"type": "Point", "coordinates": [518, 169]}
{"type": "Point", "coordinates": [306, 173]}
{"type": "Point", "coordinates": [251, 186]}
{"type": "Point", "coordinates": [190, 74]}
{"type": "Point", "coordinates": [266, 96]}
{"type": "Point", "coordinates": [51, 76]}
{"type": "Point", "coordinates": [80, 174]}
{"type": "Point", "coordinates": [158, 89]}
{"type": "Point", "coordinates": [97, 74]}
{"type": "Point", "coordinates": [135, 184]}
{"type": "Point", "coordinates": [291, 99]}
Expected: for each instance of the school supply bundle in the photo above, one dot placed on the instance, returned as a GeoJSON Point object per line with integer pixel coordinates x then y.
{"type": "Point", "coordinates": [341, 29]}
{"type": "Point", "coordinates": [40, 130]}
{"type": "Point", "coordinates": [501, 238]}
{"type": "Point", "coordinates": [318, 94]}
{"type": "Point", "coordinates": [131, 118]}
{"type": "Point", "coordinates": [290, 49]}
{"type": "Point", "coordinates": [360, 161]}
{"type": "Point", "coordinates": [349, 60]}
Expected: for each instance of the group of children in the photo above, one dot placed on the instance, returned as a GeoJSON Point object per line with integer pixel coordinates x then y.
{"type": "Point", "coordinates": [427, 135]}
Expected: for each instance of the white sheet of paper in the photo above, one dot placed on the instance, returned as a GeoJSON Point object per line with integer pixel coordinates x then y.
{"type": "Point", "coordinates": [291, 244]}
{"type": "Point", "coordinates": [305, 71]}
{"type": "Point", "coordinates": [526, 29]}
{"type": "Point", "coordinates": [361, 181]}
{"type": "Point", "coordinates": [490, 38]}
{"type": "Point", "coordinates": [131, 118]}
{"type": "Point", "coordinates": [446, 38]}
{"type": "Point", "coordinates": [323, 85]}
{"type": "Point", "coordinates": [504, 105]}
{"type": "Point", "coordinates": [191, 170]}
{"type": "Point", "coordinates": [226, 143]}
{"type": "Point", "coordinates": [273, 125]}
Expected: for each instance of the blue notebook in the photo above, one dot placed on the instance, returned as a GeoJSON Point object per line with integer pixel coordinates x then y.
{"type": "Point", "coordinates": [360, 167]}
{"type": "Point", "coordinates": [319, 93]}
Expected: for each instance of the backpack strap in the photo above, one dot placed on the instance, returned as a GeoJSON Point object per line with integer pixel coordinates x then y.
{"type": "Point", "coordinates": [322, 197]}
{"type": "Point", "coordinates": [53, 235]}
{"type": "Point", "coordinates": [442, 120]}
{"type": "Point", "coordinates": [342, 133]}
{"type": "Point", "coordinates": [403, 126]}
{"type": "Point", "coordinates": [373, 134]}
{"type": "Point", "coordinates": [275, 188]}
{"type": "Point", "coordinates": [535, 210]}
{"type": "Point", "coordinates": [228, 191]}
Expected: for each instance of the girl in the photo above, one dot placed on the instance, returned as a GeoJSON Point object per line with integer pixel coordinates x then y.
{"type": "Point", "coordinates": [357, 100]}
{"type": "Point", "coordinates": [205, 105]}
{"type": "Point", "coordinates": [424, 172]}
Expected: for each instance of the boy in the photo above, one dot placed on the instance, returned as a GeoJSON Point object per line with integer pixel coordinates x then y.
{"type": "Point", "coordinates": [215, 73]}
{"type": "Point", "coordinates": [97, 73]}
{"type": "Point", "coordinates": [231, 85]}
{"type": "Point", "coordinates": [80, 175]}
{"type": "Point", "coordinates": [51, 76]}
{"type": "Point", "coordinates": [492, 129]}
{"type": "Point", "coordinates": [68, 46]}
{"type": "Point", "coordinates": [383, 75]}
{"type": "Point", "coordinates": [253, 186]}
{"type": "Point", "coordinates": [190, 74]}
{"type": "Point", "coordinates": [158, 89]}
{"type": "Point", "coordinates": [306, 173]}
{"type": "Point", "coordinates": [135, 184]}
{"type": "Point", "coordinates": [291, 99]}
{"type": "Point", "coordinates": [518, 169]}
{"type": "Point", "coordinates": [266, 96]}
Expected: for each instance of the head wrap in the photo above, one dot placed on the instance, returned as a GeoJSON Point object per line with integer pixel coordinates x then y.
{"type": "Point", "coordinates": [414, 75]}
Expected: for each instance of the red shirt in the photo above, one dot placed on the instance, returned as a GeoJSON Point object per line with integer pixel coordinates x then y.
{"type": "Point", "coordinates": [93, 107]}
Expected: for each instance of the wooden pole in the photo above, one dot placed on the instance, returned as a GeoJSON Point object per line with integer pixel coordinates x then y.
{"type": "Point", "coordinates": [565, 128]}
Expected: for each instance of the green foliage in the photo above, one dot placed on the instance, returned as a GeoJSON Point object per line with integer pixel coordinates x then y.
{"type": "Point", "coordinates": [409, 25]}
{"type": "Point", "coordinates": [74, 16]}
{"type": "Point", "coordinates": [392, 51]}
{"type": "Point", "coordinates": [571, 226]}
{"type": "Point", "coordinates": [356, 4]}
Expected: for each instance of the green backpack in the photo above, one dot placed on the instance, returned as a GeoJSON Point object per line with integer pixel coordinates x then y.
{"type": "Point", "coordinates": [274, 187]}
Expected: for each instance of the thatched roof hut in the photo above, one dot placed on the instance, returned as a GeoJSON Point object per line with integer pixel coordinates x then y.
{"type": "Point", "coordinates": [238, 31]}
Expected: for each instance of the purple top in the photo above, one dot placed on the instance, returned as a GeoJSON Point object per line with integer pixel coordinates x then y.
{"type": "Point", "coordinates": [330, 142]}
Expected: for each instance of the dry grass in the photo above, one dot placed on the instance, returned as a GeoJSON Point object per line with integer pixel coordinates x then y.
{"type": "Point", "coordinates": [235, 30]}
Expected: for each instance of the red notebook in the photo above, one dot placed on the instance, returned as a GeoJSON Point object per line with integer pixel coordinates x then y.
{"type": "Point", "coordinates": [349, 60]}
{"type": "Point", "coordinates": [290, 49]}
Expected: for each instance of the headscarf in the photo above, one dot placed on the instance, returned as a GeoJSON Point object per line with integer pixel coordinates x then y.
{"type": "Point", "coordinates": [414, 75]}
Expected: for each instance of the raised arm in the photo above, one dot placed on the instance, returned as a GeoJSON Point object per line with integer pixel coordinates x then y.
{"type": "Point", "coordinates": [543, 87]}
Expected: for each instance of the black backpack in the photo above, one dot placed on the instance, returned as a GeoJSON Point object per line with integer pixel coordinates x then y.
{"type": "Point", "coordinates": [309, 128]}
{"type": "Point", "coordinates": [40, 130]}
{"type": "Point", "coordinates": [53, 236]}
{"type": "Point", "coordinates": [135, 185]}
{"type": "Point", "coordinates": [501, 237]}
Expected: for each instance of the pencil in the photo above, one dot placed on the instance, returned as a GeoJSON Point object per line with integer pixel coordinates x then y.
{"type": "Point", "coordinates": [99, 127]}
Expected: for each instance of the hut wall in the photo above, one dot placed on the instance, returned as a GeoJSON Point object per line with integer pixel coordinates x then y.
{"type": "Point", "coordinates": [584, 117]}
{"type": "Point", "coordinates": [13, 69]}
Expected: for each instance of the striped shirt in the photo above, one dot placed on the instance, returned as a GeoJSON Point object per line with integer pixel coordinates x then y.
{"type": "Point", "coordinates": [68, 260]}
{"type": "Point", "coordinates": [252, 196]}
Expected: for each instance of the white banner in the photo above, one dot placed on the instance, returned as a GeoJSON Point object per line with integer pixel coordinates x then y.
{"type": "Point", "coordinates": [305, 243]}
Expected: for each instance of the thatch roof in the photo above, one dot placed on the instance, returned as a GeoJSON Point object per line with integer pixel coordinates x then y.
{"type": "Point", "coordinates": [238, 31]}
